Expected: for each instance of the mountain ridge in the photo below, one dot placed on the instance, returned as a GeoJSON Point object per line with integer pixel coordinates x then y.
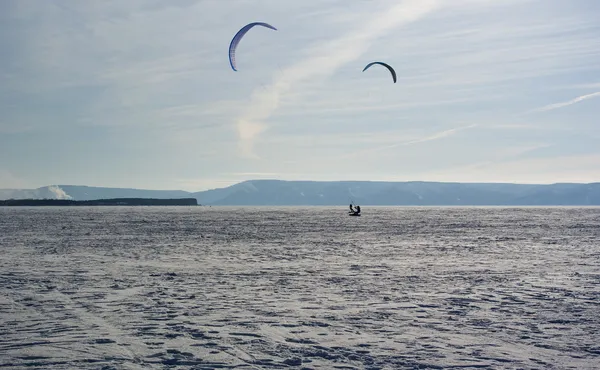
{"type": "Point", "coordinates": [268, 192]}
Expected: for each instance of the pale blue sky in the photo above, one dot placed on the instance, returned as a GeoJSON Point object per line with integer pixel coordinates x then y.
{"type": "Point", "coordinates": [139, 93]}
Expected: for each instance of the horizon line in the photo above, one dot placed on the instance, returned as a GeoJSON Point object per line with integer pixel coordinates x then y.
{"type": "Point", "coordinates": [319, 181]}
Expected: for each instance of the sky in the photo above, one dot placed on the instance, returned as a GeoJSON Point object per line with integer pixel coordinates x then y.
{"type": "Point", "coordinates": [140, 93]}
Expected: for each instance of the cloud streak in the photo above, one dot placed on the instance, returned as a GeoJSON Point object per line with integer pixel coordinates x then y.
{"type": "Point", "coordinates": [9, 180]}
{"type": "Point", "coordinates": [571, 168]}
{"type": "Point", "coordinates": [435, 136]}
{"type": "Point", "coordinates": [325, 61]}
{"type": "Point", "coordinates": [567, 103]}
{"type": "Point", "coordinates": [143, 91]}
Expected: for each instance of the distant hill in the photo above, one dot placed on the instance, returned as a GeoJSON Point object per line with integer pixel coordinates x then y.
{"type": "Point", "coordinates": [336, 193]}
{"type": "Point", "coordinates": [275, 192]}
{"type": "Point", "coordinates": [99, 202]}
{"type": "Point", "coordinates": [76, 192]}
{"type": "Point", "coordinates": [92, 193]}
{"type": "Point", "coordinates": [46, 192]}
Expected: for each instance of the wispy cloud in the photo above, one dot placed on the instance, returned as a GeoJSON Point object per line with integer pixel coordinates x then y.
{"type": "Point", "coordinates": [7, 128]}
{"type": "Point", "coordinates": [9, 181]}
{"type": "Point", "coordinates": [203, 183]}
{"type": "Point", "coordinates": [570, 168]}
{"type": "Point", "coordinates": [567, 103]}
{"type": "Point", "coordinates": [144, 92]}
{"type": "Point", "coordinates": [253, 174]}
{"type": "Point", "coordinates": [326, 59]}
{"type": "Point", "coordinates": [432, 137]}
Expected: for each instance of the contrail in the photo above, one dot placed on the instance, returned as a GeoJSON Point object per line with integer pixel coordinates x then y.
{"type": "Point", "coordinates": [435, 136]}
{"type": "Point", "coordinates": [565, 104]}
{"type": "Point", "coordinates": [325, 61]}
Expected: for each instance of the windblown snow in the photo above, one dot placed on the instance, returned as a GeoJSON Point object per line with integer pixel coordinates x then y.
{"type": "Point", "coordinates": [225, 287]}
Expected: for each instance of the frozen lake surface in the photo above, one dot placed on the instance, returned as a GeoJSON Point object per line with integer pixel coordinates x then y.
{"type": "Point", "coordinates": [268, 288]}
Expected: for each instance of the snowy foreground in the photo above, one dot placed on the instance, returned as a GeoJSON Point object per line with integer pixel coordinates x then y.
{"type": "Point", "coordinates": [205, 288]}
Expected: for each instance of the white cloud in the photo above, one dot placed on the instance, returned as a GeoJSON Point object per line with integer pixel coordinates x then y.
{"type": "Point", "coordinates": [149, 82]}
{"type": "Point", "coordinates": [575, 168]}
{"type": "Point", "coordinates": [9, 181]}
{"type": "Point", "coordinates": [203, 183]}
{"type": "Point", "coordinates": [432, 137]}
{"type": "Point", "coordinates": [586, 86]}
{"type": "Point", "coordinates": [567, 103]}
{"type": "Point", "coordinates": [325, 60]}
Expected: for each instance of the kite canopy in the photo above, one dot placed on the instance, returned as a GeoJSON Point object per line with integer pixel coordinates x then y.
{"type": "Point", "coordinates": [238, 37]}
{"type": "Point", "coordinates": [385, 65]}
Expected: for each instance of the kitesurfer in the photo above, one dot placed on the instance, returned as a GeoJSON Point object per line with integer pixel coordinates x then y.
{"type": "Point", "coordinates": [354, 210]}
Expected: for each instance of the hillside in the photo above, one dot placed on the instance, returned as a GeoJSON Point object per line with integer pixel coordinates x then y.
{"type": "Point", "coordinates": [99, 202]}
{"type": "Point", "coordinates": [298, 193]}
{"type": "Point", "coordinates": [273, 192]}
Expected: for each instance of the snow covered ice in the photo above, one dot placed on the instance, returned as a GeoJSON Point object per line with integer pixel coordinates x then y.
{"type": "Point", "coordinates": [267, 288]}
